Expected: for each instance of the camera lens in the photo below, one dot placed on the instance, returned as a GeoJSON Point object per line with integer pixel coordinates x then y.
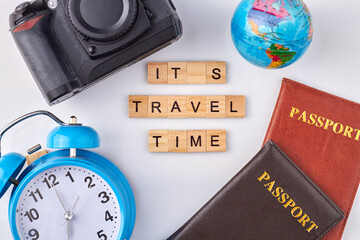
{"type": "Point", "coordinates": [103, 20]}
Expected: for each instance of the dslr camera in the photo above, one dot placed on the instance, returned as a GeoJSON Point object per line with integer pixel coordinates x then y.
{"type": "Point", "coordinates": [69, 45]}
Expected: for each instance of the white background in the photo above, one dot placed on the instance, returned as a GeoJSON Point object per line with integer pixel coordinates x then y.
{"type": "Point", "coordinates": [170, 188]}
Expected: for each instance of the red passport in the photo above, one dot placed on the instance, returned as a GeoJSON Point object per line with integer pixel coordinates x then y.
{"type": "Point", "coordinates": [320, 132]}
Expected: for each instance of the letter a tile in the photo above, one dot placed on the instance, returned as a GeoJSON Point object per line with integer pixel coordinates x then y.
{"type": "Point", "coordinates": [176, 106]}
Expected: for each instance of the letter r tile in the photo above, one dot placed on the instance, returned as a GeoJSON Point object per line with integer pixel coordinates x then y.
{"type": "Point", "coordinates": [157, 106]}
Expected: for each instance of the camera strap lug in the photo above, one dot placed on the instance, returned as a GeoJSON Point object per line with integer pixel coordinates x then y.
{"type": "Point", "coordinates": [52, 4]}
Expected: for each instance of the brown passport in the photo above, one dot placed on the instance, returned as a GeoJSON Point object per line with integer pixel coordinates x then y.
{"type": "Point", "coordinates": [320, 132]}
{"type": "Point", "coordinates": [270, 198]}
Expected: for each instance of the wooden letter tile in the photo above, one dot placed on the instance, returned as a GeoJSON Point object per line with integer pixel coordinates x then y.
{"type": "Point", "coordinates": [158, 141]}
{"type": "Point", "coordinates": [235, 106]}
{"type": "Point", "coordinates": [35, 156]}
{"type": "Point", "coordinates": [177, 72]}
{"type": "Point", "coordinates": [176, 106]}
{"type": "Point", "coordinates": [196, 106]}
{"type": "Point", "coordinates": [138, 106]}
{"type": "Point", "coordinates": [157, 106]}
{"type": "Point", "coordinates": [157, 73]}
{"type": "Point", "coordinates": [216, 141]}
{"type": "Point", "coordinates": [215, 106]}
{"type": "Point", "coordinates": [196, 72]}
{"type": "Point", "coordinates": [196, 141]}
{"type": "Point", "coordinates": [178, 141]}
{"type": "Point", "coordinates": [216, 72]}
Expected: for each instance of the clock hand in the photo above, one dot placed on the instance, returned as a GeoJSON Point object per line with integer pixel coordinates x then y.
{"type": "Point", "coordinates": [69, 216]}
{"type": "Point", "coordinates": [73, 210]}
{"type": "Point", "coordinates": [69, 213]}
{"type": "Point", "coordinates": [59, 198]}
{"type": "Point", "coordinates": [76, 204]}
{"type": "Point", "coordinates": [76, 201]}
{"type": "Point", "coordinates": [68, 229]}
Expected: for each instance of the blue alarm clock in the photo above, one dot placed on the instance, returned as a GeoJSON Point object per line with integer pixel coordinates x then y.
{"type": "Point", "coordinates": [69, 193]}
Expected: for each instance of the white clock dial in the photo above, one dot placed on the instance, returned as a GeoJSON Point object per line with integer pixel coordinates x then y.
{"type": "Point", "coordinates": [68, 202]}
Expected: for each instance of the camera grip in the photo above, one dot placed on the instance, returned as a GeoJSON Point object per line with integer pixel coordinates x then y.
{"type": "Point", "coordinates": [47, 63]}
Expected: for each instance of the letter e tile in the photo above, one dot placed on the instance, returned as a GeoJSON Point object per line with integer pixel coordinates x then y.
{"type": "Point", "coordinates": [216, 140]}
{"type": "Point", "coordinates": [215, 106]}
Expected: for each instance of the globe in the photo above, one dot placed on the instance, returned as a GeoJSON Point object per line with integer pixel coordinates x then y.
{"type": "Point", "coordinates": [271, 33]}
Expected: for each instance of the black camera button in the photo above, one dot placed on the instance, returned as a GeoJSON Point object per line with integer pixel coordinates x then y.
{"type": "Point", "coordinates": [92, 50]}
{"type": "Point", "coordinates": [149, 13]}
{"type": "Point", "coordinates": [22, 7]}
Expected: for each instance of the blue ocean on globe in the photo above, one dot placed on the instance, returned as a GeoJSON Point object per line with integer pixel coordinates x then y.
{"type": "Point", "coordinates": [272, 33]}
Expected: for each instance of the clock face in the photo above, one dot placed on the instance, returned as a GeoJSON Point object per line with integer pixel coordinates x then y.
{"type": "Point", "coordinates": [68, 202]}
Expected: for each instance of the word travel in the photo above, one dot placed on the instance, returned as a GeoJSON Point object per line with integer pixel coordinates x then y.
{"type": "Point", "coordinates": [230, 106]}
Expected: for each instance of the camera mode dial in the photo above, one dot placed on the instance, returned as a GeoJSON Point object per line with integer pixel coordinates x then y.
{"type": "Point", "coordinates": [22, 7]}
{"type": "Point", "coordinates": [104, 20]}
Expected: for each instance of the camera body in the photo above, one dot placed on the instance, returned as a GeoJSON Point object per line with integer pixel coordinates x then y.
{"type": "Point", "coordinates": [69, 45]}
